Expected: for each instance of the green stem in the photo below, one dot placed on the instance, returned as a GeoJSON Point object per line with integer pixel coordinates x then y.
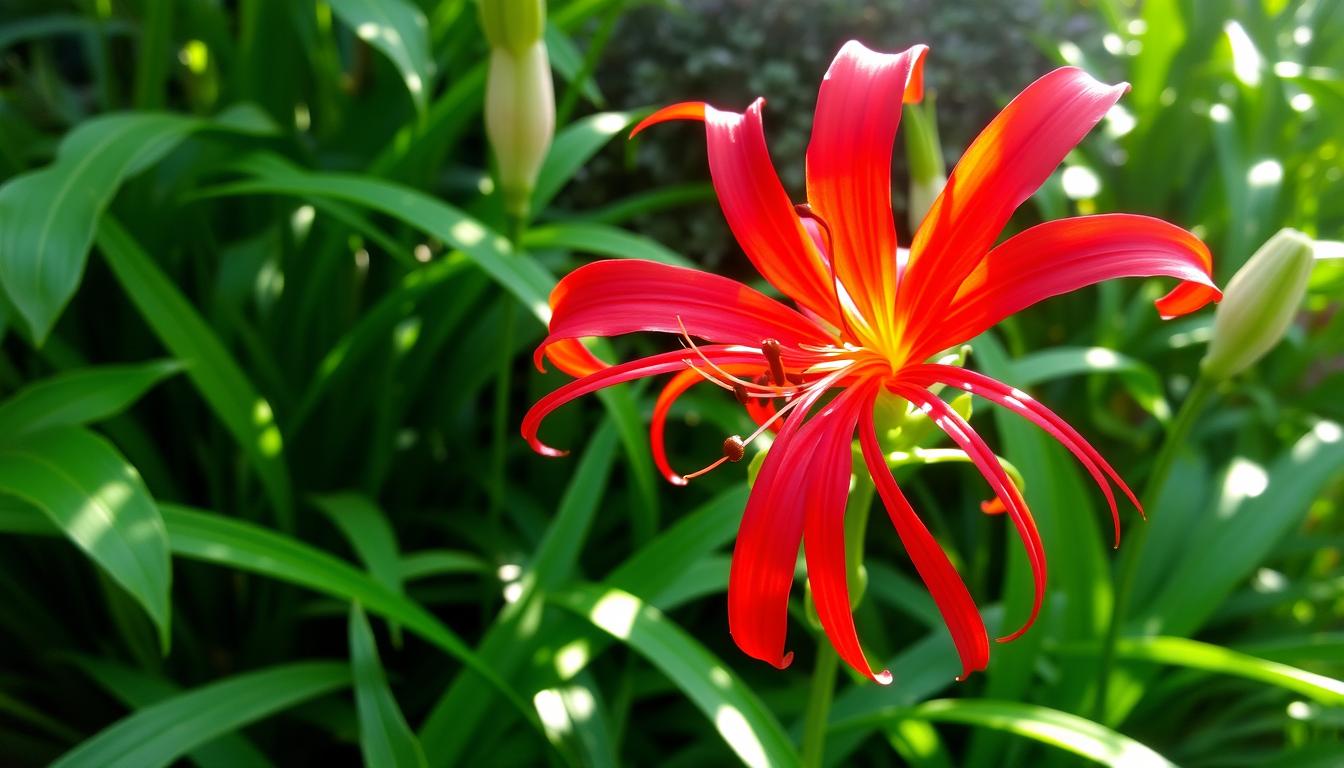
{"type": "Point", "coordinates": [1127, 568]}
{"type": "Point", "coordinates": [818, 711]}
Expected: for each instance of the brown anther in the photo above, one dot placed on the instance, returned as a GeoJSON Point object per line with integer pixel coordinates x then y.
{"type": "Point", "coordinates": [795, 379]}
{"type": "Point", "coordinates": [733, 448]}
{"type": "Point", "coordinates": [770, 348]}
{"type": "Point", "coordinates": [741, 393]}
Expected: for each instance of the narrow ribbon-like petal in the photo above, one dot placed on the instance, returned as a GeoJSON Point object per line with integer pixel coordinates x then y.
{"type": "Point", "coordinates": [668, 362]}
{"type": "Point", "coordinates": [939, 575]}
{"type": "Point", "coordinates": [619, 296]}
{"type": "Point", "coordinates": [1024, 405]}
{"type": "Point", "coordinates": [674, 389]}
{"type": "Point", "coordinates": [849, 167]}
{"type": "Point", "coordinates": [756, 205]}
{"type": "Point", "coordinates": [1064, 255]}
{"type": "Point", "coordinates": [966, 438]}
{"type": "Point", "coordinates": [767, 543]}
{"type": "Point", "coordinates": [824, 496]}
{"type": "Point", "coordinates": [1005, 164]}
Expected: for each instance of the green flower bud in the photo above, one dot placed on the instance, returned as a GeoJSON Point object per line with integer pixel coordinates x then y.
{"type": "Point", "coordinates": [519, 120]}
{"type": "Point", "coordinates": [1259, 304]}
{"type": "Point", "coordinates": [514, 25]}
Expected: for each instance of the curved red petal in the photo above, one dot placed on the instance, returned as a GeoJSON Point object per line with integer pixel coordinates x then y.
{"type": "Point", "coordinates": [849, 167]}
{"type": "Point", "coordinates": [1024, 405]}
{"type": "Point", "coordinates": [571, 357]}
{"type": "Point", "coordinates": [766, 550]}
{"type": "Point", "coordinates": [760, 213]}
{"type": "Point", "coordinates": [674, 389]}
{"type": "Point", "coordinates": [949, 592]}
{"type": "Point", "coordinates": [686, 110]}
{"type": "Point", "coordinates": [966, 438]}
{"type": "Point", "coordinates": [824, 496]}
{"type": "Point", "coordinates": [618, 296]}
{"type": "Point", "coordinates": [1061, 256]}
{"type": "Point", "coordinates": [1005, 164]}
{"type": "Point", "coordinates": [667, 362]}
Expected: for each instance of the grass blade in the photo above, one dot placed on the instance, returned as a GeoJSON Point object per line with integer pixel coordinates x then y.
{"type": "Point", "coordinates": [244, 412]}
{"type": "Point", "coordinates": [80, 397]}
{"type": "Point", "coordinates": [385, 739]}
{"type": "Point", "coordinates": [400, 31]}
{"type": "Point", "coordinates": [741, 719]}
{"type": "Point", "coordinates": [161, 733]}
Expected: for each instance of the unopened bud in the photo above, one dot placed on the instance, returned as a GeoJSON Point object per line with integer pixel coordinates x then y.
{"type": "Point", "coordinates": [514, 25]}
{"type": "Point", "coordinates": [1259, 304]}
{"type": "Point", "coordinates": [519, 120]}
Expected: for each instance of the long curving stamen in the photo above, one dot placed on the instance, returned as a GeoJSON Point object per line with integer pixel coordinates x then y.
{"type": "Point", "coordinates": [751, 387]}
{"type": "Point", "coordinates": [804, 210]}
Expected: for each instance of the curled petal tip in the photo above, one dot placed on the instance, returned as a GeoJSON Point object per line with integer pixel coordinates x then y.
{"type": "Point", "coordinates": [883, 677]}
{"type": "Point", "coordinates": [686, 110]}
{"type": "Point", "coordinates": [785, 661]}
{"type": "Point", "coordinates": [676, 480]}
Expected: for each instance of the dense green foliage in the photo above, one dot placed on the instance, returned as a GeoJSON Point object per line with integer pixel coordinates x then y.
{"type": "Point", "coordinates": [266, 338]}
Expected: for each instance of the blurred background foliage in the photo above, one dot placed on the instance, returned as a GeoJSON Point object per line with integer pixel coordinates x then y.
{"type": "Point", "coordinates": [266, 341]}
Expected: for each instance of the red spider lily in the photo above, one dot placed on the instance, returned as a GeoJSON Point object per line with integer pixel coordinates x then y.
{"type": "Point", "coordinates": [870, 316]}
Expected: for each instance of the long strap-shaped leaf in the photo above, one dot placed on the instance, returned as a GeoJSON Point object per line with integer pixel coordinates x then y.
{"type": "Point", "coordinates": [160, 733]}
{"type": "Point", "coordinates": [49, 215]}
{"type": "Point", "coordinates": [1048, 726]}
{"type": "Point", "coordinates": [219, 379]}
{"type": "Point", "coordinates": [235, 544]}
{"type": "Point", "coordinates": [740, 718]}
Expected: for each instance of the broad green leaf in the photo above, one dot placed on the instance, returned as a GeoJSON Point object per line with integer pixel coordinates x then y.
{"type": "Point", "coordinates": [97, 500]}
{"type": "Point", "coordinates": [80, 397]}
{"type": "Point", "coordinates": [1192, 654]}
{"type": "Point", "coordinates": [1258, 508]}
{"type": "Point", "coordinates": [50, 214]}
{"type": "Point", "coordinates": [161, 733]}
{"type": "Point", "coordinates": [137, 690]}
{"type": "Point", "coordinates": [36, 27]}
{"type": "Point", "coordinates": [244, 546]}
{"type": "Point", "coordinates": [399, 30]}
{"type": "Point", "coordinates": [741, 719]}
{"type": "Point", "coordinates": [1047, 365]}
{"type": "Point", "coordinates": [219, 379]}
{"type": "Point", "coordinates": [524, 278]}
{"type": "Point", "coordinates": [384, 736]}
{"type": "Point", "coordinates": [602, 240]}
{"type": "Point", "coordinates": [1048, 726]}
{"type": "Point", "coordinates": [573, 147]}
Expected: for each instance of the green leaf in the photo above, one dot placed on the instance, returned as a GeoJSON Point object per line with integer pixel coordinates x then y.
{"type": "Point", "coordinates": [568, 63]}
{"type": "Point", "coordinates": [98, 500]}
{"type": "Point", "coordinates": [385, 739]}
{"type": "Point", "coordinates": [1192, 654]}
{"type": "Point", "coordinates": [247, 547]}
{"type": "Point", "coordinates": [399, 30]}
{"type": "Point", "coordinates": [747, 726]}
{"type": "Point", "coordinates": [1048, 726]}
{"type": "Point", "coordinates": [435, 562]}
{"type": "Point", "coordinates": [602, 240]}
{"type": "Point", "coordinates": [573, 147]}
{"type": "Point", "coordinates": [524, 278]}
{"type": "Point", "coordinates": [1258, 508]}
{"type": "Point", "coordinates": [161, 733]}
{"type": "Point", "coordinates": [1050, 364]}
{"type": "Point", "coordinates": [369, 534]}
{"type": "Point", "coordinates": [219, 379]}
{"type": "Point", "coordinates": [137, 690]}
{"type": "Point", "coordinates": [80, 397]}
{"type": "Point", "coordinates": [51, 213]}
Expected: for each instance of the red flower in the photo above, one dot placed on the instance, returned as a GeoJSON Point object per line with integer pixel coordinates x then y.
{"type": "Point", "coordinates": [869, 318]}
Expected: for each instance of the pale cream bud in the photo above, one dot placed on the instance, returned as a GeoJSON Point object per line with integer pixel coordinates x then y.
{"type": "Point", "coordinates": [519, 120]}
